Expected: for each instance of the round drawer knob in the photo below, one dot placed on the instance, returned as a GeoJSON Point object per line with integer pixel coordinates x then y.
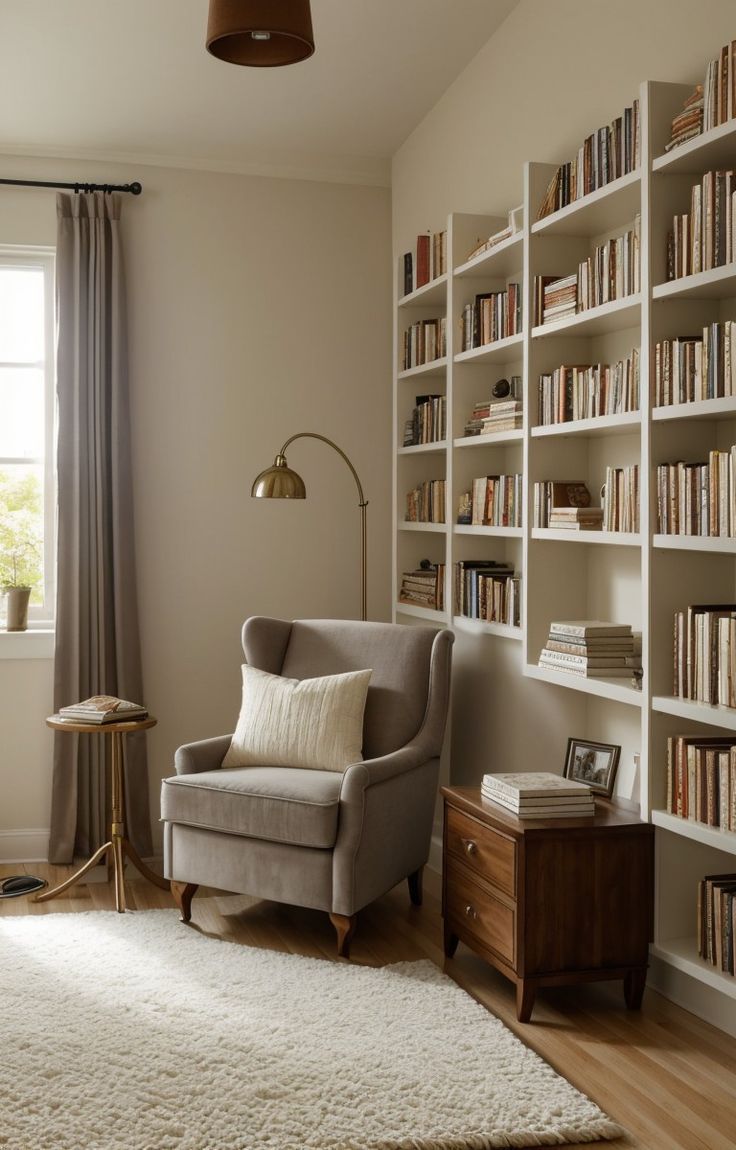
{"type": "Point", "coordinates": [471, 847]}
{"type": "Point", "coordinates": [470, 911]}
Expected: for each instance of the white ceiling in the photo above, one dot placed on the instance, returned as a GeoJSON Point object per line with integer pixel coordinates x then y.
{"type": "Point", "coordinates": [131, 80]}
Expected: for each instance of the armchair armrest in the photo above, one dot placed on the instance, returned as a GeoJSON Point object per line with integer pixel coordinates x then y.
{"type": "Point", "coordinates": [358, 776]}
{"type": "Point", "coordinates": [206, 755]}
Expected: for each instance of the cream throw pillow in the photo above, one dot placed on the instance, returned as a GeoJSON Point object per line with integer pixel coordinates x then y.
{"type": "Point", "coordinates": [316, 723]}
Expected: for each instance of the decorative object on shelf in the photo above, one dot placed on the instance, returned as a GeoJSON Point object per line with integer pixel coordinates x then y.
{"type": "Point", "coordinates": [280, 482]}
{"type": "Point", "coordinates": [260, 33]}
{"type": "Point", "coordinates": [465, 509]}
{"type": "Point", "coordinates": [594, 764]}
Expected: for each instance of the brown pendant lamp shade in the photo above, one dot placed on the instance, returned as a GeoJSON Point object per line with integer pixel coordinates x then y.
{"type": "Point", "coordinates": [260, 33]}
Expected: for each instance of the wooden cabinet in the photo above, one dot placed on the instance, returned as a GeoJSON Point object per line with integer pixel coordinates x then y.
{"type": "Point", "coordinates": [549, 902]}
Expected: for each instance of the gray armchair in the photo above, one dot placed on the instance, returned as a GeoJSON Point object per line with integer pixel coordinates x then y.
{"type": "Point", "coordinates": [314, 838]}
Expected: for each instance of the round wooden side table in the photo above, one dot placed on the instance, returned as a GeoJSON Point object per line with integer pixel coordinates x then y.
{"type": "Point", "coordinates": [118, 846]}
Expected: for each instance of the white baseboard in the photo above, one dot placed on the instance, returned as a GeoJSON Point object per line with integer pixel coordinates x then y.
{"type": "Point", "coordinates": [691, 994]}
{"type": "Point", "coordinates": [24, 846]}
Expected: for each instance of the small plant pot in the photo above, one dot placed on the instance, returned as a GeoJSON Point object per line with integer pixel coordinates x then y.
{"type": "Point", "coordinates": [17, 608]}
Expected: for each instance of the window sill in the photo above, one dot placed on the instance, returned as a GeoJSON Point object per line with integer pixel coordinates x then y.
{"type": "Point", "coordinates": [35, 643]}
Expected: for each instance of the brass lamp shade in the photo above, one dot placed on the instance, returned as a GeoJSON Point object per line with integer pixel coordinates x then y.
{"type": "Point", "coordinates": [260, 33]}
{"type": "Point", "coordinates": [278, 482]}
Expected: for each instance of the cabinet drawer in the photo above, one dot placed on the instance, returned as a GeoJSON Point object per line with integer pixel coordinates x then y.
{"type": "Point", "coordinates": [489, 853]}
{"type": "Point", "coordinates": [489, 920]}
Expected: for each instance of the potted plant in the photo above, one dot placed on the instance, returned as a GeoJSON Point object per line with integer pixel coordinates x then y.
{"type": "Point", "coordinates": [20, 565]}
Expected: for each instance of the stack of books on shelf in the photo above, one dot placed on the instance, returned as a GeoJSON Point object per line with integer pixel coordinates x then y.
{"type": "Point", "coordinates": [555, 298]}
{"type": "Point", "coordinates": [429, 263]}
{"type": "Point", "coordinates": [487, 589]}
{"type": "Point", "coordinates": [493, 316]}
{"type": "Point", "coordinates": [552, 495]}
{"type": "Point", "coordinates": [424, 587]}
{"type": "Point", "coordinates": [605, 155]}
{"type": "Point", "coordinates": [585, 391]}
{"type": "Point", "coordinates": [493, 409]}
{"type": "Point", "coordinates": [503, 415]}
{"type": "Point", "coordinates": [496, 501]}
{"type": "Point", "coordinates": [102, 709]}
{"type": "Point", "coordinates": [703, 238]}
{"type": "Point", "coordinates": [689, 122]}
{"type": "Point", "coordinates": [576, 518]}
{"type": "Point", "coordinates": [701, 779]}
{"type": "Point", "coordinates": [688, 369]}
{"type": "Point", "coordinates": [539, 795]}
{"type": "Point", "coordinates": [513, 227]}
{"type": "Point", "coordinates": [698, 498]}
{"type": "Point", "coordinates": [621, 499]}
{"type": "Point", "coordinates": [705, 653]}
{"type": "Point", "coordinates": [428, 422]}
{"type": "Point", "coordinates": [423, 342]}
{"type": "Point", "coordinates": [716, 913]}
{"type": "Point", "coordinates": [426, 503]}
{"type": "Point", "coordinates": [592, 648]}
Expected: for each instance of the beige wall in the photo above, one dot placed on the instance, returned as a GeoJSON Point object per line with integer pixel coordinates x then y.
{"type": "Point", "coordinates": [554, 71]}
{"type": "Point", "coordinates": [258, 307]}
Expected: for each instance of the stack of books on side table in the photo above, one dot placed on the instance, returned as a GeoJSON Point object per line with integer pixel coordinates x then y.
{"type": "Point", "coordinates": [592, 648]}
{"type": "Point", "coordinates": [102, 709]}
{"type": "Point", "coordinates": [539, 795]}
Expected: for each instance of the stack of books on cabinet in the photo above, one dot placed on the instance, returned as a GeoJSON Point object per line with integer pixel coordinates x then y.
{"type": "Point", "coordinates": [539, 795]}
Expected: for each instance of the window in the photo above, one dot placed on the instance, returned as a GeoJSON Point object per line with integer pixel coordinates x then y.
{"type": "Point", "coordinates": [27, 486]}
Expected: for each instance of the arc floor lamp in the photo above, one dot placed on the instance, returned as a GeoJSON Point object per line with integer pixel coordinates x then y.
{"type": "Point", "coordinates": [280, 482]}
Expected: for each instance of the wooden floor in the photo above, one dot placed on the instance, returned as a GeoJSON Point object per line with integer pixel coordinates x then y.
{"type": "Point", "coordinates": [664, 1075]}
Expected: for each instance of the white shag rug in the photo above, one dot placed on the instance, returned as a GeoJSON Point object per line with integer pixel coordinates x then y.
{"type": "Point", "coordinates": [135, 1032]}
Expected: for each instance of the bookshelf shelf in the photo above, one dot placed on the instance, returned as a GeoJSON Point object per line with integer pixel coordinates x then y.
{"type": "Point", "coordinates": [434, 367]}
{"type": "Point", "coordinates": [713, 284]}
{"type": "Point", "coordinates": [476, 529]}
{"type": "Point", "coordinates": [425, 613]}
{"type": "Point", "coordinates": [423, 448]}
{"type": "Point", "coordinates": [698, 832]}
{"type": "Point", "coordinates": [481, 627]}
{"type": "Point", "coordinates": [714, 715]}
{"type": "Point", "coordinates": [500, 261]}
{"type": "Point", "coordinates": [617, 202]}
{"type": "Point", "coordinates": [616, 690]}
{"type": "Point", "coordinates": [440, 528]}
{"type": "Point", "coordinates": [431, 293]}
{"type": "Point", "coordinates": [607, 317]}
{"type": "Point", "coordinates": [714, 544]}
{"type": "Point", "coordinates": [627, 423]}
{"type": "Point", "coordinates": [704, 409]}
{"type": "Point", "coordinates": [682, 953]}
{"type": "Point", "coordinates": [497, 437]}
{"type": "Point", "coordinates": [610, 538]}
{"type": "Point", "coordinates": [712, 149]}
{"type": "Point", "coordinates": [501, 351]}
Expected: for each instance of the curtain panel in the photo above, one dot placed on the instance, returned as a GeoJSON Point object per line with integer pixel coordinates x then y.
{"type": "Point", "coordinates": [97, 631]}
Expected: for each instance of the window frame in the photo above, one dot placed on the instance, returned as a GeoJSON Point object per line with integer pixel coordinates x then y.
{"type": "Point", "coordinates": [42, 616]}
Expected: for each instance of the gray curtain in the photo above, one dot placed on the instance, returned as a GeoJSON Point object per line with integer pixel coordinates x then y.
{"type": "Point", "coordinates": [97, 637]}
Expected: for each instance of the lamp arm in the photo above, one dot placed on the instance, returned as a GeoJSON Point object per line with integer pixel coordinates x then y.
{"type": "Point", "coordinates": [362, 503]}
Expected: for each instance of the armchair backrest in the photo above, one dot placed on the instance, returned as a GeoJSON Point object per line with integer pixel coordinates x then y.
{"type": "Point", "coordinates": [411, 668]}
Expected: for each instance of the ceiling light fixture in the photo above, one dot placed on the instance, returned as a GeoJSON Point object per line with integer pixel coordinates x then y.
{"type": "Point", "coordinates": [260, 33]}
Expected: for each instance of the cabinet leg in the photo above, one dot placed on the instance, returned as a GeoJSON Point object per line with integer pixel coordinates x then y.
{"type": "Point", "coordinates": [634, 983]}
{"type": "Point", "coordinates": [525, 992]}
{"type": "Point", "coordinates": [450, 941]}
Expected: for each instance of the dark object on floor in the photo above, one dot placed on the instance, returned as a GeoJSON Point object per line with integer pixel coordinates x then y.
{"type": "Point", "coordinates": [19, 884]}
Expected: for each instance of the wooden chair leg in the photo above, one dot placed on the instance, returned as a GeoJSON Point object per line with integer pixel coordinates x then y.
{"type": "Point", "coordinates": [345, 926]}
{"type": "Point", "coordinates": [415, 886]}
{"type": "Point", "coordinates": [183, 893]}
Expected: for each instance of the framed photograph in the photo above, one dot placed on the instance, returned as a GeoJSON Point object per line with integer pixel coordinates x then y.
{"type": "Point", "coordinates": [594, 764]}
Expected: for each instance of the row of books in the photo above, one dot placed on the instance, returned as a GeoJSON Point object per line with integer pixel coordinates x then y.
{"type": "Point", "coordinates": [428, 422]}
{"type": "Point", "coordinates": [709, 104]}
{"type": "Point", "coordinates": [689, 369]}
{"type": "Point", "coordinates": [494, 414]}
{"type": "Point", "coordinates": [705, 653]}
{"type": "Point", "coordinates": [716, 911]}
{"type": "Point", "coordinates": [620, 498]}
{"type": "Point", "coordinates": [698, 498]}
{"type": "Point", "coordinates": [101, 709]}
{"type": "Point", "coordinates": [610, 273]}
{"type": "Point", "coordinates": [608, 153]}
{"type": "Point", "coordinates": [429, 262]}
{"type": "Point", "coordinates": [585, 391]}
{"type": "Point", "coordinates": [703, 238]}
{"type": "Point", "coordinates": [492, 316]}
{"type": "Point", "coordinates": [424, 587]}
{"type": "Point", "coordinates": [426, 502]}
{"type": "Point", "coordinates": [495, 501]}
{"type": "Point", "coordinates": [488, 590]}
{"type": "Point", "coordinates": [592, 649]}
{"type": "Point", "coordinates": [701, 779]}
{"type": "Point", "coordinates": [423, 342]}
{"type": "Point", "coordinates": [539, 795]}
{"type": "Point", "coordinates": [552, 496]}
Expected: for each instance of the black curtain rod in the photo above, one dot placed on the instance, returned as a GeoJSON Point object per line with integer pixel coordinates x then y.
{"type": "Point", "coordinates": [135, 189]}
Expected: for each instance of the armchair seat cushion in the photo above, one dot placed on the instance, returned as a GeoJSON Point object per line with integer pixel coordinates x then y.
{"type": "Point", "coordinates": [281, 804]}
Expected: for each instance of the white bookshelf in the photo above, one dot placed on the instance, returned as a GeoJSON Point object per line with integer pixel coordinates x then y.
{"type": "Point", "coordinates": [638, 578]}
